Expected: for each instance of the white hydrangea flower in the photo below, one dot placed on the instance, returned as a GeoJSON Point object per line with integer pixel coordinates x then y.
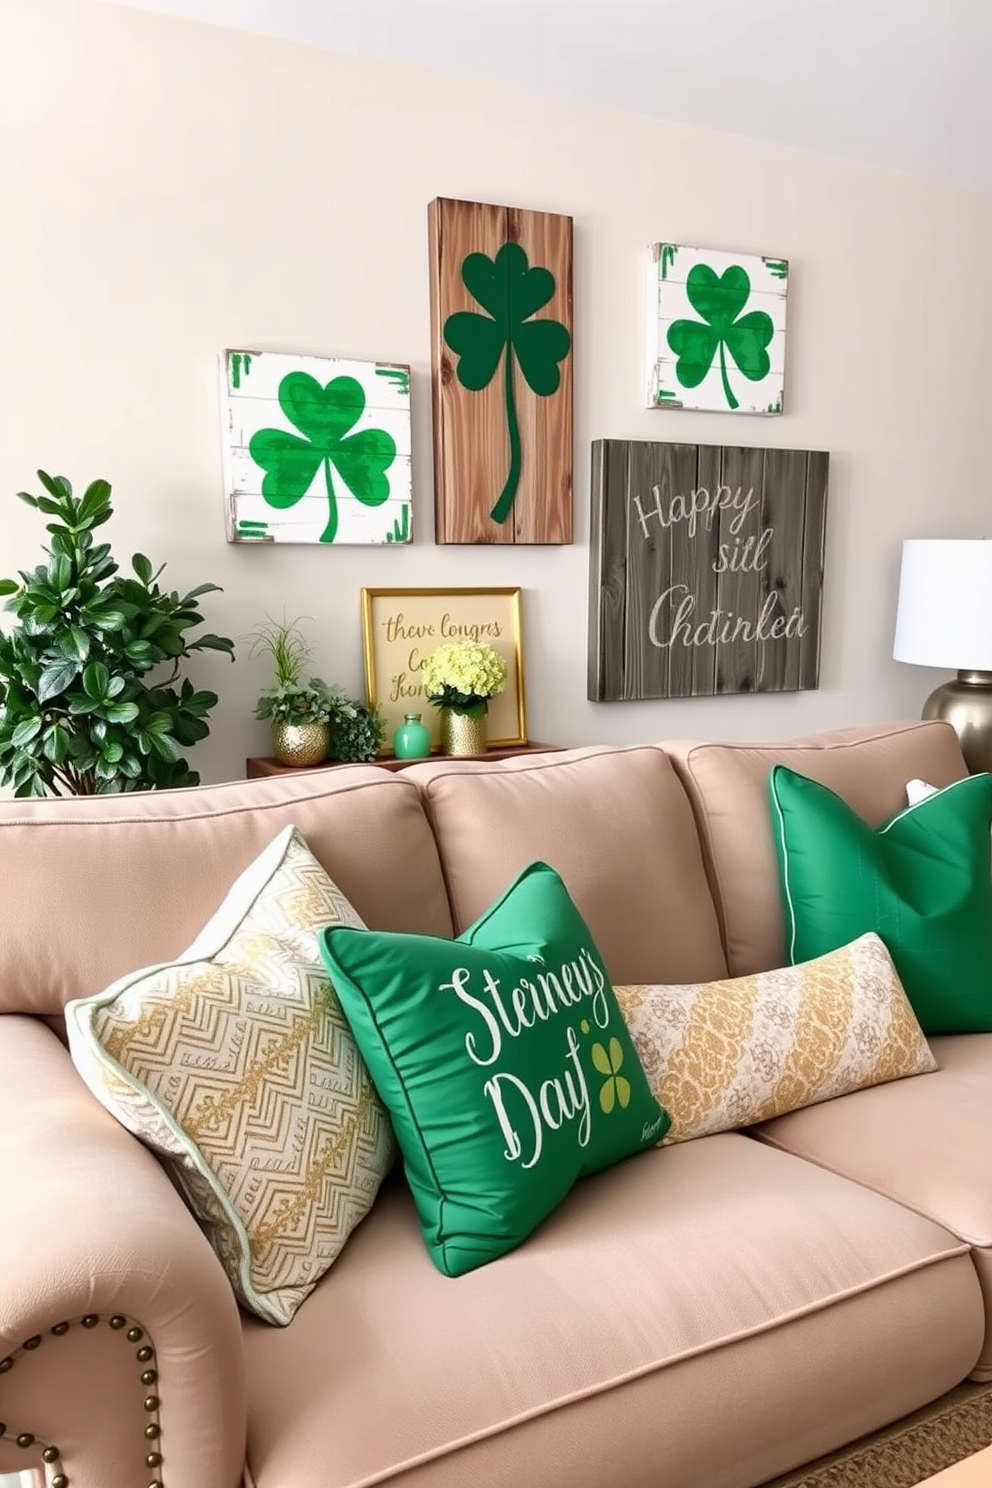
{"type": "Point", "coordinates": [461, 673]}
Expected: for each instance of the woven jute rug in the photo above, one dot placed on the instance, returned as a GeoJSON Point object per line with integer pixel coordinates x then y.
{"type": "Point", "coordinates": [908, 1453]}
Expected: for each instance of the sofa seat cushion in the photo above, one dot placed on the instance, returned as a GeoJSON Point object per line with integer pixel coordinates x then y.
{"type": "Point", "coordinates": [615, 823]}
{"type": "Point", "coordinates": [728, 786]}
{"type": "Point", "coordinates": [706, 1315]}
{"type": "Point", "coordinates": [926, 1143]}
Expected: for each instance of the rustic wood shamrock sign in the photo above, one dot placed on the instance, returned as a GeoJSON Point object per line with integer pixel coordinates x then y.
{"type": "Point", "coordinates": [316, 449]}
{"type": "Point", "coordinates": [716, 330]}
{"type": "Point", "coordinates": [501, 294]}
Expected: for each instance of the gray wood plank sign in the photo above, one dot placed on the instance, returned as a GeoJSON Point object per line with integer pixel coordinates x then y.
{"type": "Point", "coordinates": [706, 569]}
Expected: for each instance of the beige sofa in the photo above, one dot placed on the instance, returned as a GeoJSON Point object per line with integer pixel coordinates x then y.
{"type": "Point", "coordinates": [705, 1315]}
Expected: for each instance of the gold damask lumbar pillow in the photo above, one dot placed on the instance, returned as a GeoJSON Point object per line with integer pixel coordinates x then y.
{"type": "Point", "coordinates": [236, 1065]}
{"type": "Point", "coordinates": [720, 1055]}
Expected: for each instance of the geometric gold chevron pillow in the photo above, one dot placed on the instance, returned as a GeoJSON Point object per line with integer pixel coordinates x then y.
{"type": "Point", "coordinates": [236, 1065]}
{"type": "Point", "coordinates": [720, 1055]}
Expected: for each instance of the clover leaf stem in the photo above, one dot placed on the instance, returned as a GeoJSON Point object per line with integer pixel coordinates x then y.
{"type": "Point", "coordinates": [728, 390]}
{"type": "Point", "coordinates": [504, 501]}
{"type": "Point", "coordinates": [330, 532]}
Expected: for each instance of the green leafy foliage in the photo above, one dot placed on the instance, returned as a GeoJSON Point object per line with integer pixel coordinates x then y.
{"type": "Point", "coordinates": [357, 732]}
{"type": "Point", "coordinates": [90, 694]}
{"type": "Point", "coordinates": [299, 702]}
{"type": "Point", "coordinates": [290, 699]}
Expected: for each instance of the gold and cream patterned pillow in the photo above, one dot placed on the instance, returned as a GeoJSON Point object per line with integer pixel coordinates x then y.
{"type": "Point", "coordinates": [236, 1065]}
{"type": "Point", "coordinates": [720, 1055]}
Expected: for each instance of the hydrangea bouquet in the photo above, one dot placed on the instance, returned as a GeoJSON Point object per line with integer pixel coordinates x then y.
{"type": "Point", "coordinates": [463, 676]}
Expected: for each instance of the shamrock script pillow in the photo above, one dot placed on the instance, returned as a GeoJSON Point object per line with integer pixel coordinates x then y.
{"type": "Point", "coordinates": [504, 1062]}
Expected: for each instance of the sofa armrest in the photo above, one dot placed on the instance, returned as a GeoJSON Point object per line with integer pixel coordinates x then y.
{"type": "Point", "coordinates": [95, 1237]}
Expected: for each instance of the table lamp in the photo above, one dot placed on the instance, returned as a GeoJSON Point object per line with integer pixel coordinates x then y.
{"type": "Point", "coordinates": [944, 619]}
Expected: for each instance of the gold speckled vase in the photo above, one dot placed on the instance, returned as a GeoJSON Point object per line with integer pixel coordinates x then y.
{"type": "Point", "coordinates": [300, 743]}
{"type": "Point", "coordinates": [460, 734]}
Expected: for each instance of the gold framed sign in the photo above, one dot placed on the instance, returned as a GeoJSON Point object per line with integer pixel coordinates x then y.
{"type": "Point", "coordinates": [400, 627]}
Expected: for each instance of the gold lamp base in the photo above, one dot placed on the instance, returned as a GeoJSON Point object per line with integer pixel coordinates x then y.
{"type": "Point", "coordinates": [966, 704]}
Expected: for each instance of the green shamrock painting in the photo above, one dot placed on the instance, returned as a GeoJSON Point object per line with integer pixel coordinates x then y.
{"type": "Point", "coordinates": [510, 292]}
{"type": "Point", "coordinates": [716, 330]}
{"type": "Point", "coordinates": [316, 450]}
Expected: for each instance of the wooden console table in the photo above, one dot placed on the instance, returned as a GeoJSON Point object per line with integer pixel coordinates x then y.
{"type": "Point", "coordinates": [268, 765]}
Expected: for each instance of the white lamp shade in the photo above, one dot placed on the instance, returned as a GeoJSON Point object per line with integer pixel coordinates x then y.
{"type": "Point", "coordinates": [944, 615]}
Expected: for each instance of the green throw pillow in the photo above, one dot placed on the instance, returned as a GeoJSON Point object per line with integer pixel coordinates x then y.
{"type": "Point", "coordinates": [504, 1062]}
{"type": "Point", "coordinates": [922, 881]}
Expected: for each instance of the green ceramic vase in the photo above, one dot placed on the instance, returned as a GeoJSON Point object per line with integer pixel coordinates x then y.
{"type": "Point", "coordinates": [412, 740]}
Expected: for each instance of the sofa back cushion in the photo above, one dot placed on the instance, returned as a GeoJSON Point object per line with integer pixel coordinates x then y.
{"type": "Point", "coordinates": [617, 826]}
{"type": "Point", "coordinates": [95, 887]}
{"type": "Point", "coordinates": [728, 786]}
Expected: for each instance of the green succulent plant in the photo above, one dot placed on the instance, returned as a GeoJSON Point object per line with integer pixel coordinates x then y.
{"type": "Point", "coordinates": [291, 698]}
{"type": "Point", "coordinates": [90, 693]}
{"type": "Point", "coordinates": [356, 732]}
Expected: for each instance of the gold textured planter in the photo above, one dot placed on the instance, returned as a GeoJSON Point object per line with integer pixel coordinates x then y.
{"type": "Point", "coordinates": [461, 734]}
{"type": "Point", "coordinates": [300, 743]}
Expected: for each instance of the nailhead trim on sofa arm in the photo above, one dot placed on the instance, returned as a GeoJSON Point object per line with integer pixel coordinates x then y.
{"type": "Point", "coordinates": [148, 1378]}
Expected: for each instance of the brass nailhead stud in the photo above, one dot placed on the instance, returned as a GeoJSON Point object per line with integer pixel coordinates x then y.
{"type": "Point", "coordinates": [117, 1321]}
{"type": "Point", "coordinates": [32, 1343]}
{"type": "Point", "coordinates": [149, 1376]}
{"type": "Point", "coordinates": [156, 1484]}
{"type": "Point", "coordinates": [60, 1328]}
{"type": "Point", "coordinates": [60, 1481]}
{"type": "Point", "coordinates": [90, 1320]}
{"type": "Point", "coordinates": [5, 1365]}
{"type": "Point", "coordinates": [25, 1439]}
{"type": "Point", "coordinates": [145, 1353]}
{"type": "Point", "coordinates": [152, 1431]}
{"type": "Point", "coordinates": [154, 1459]}
{"type": "Point", "coordinates": [151, 1402]}
{"type": "Point", "coordinates": [134, 1334]}
{"type": "Point", "coordinates": [51, 1454]}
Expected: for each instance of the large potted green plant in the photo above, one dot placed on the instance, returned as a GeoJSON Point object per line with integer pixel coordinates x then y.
{"type": "Point", "coordinates": [90, 694]}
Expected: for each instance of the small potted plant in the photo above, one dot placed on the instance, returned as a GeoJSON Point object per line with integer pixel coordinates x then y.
{"type": "Point", "coordinates": [299, 707]}
{"type": "Point", "coordinates": [459, 678]}
{"type": "Point", "coordinates": [357, 731]}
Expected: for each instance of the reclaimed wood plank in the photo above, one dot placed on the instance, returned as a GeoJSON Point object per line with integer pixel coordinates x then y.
{"type": "Point", "coordinates": [699, 574]}
{"type": "Point", "coordinates": [814, 542]}
{"type": "Point", "coordinates": [546, 423]}
{"type": "Point", "coordinates": [607, 570]}
{"type": "Point", "coordinates": [741, 477]}
{"type": "Point", "coordinates": [654, 471]}
{"type": "Point", "coordinates": [783, 512]}
{"type": "Point", "coordinates": [469, 428]}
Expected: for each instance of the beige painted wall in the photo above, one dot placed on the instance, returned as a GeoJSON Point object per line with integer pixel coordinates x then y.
{"type": "Point", "coordinates": [169, 189]}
